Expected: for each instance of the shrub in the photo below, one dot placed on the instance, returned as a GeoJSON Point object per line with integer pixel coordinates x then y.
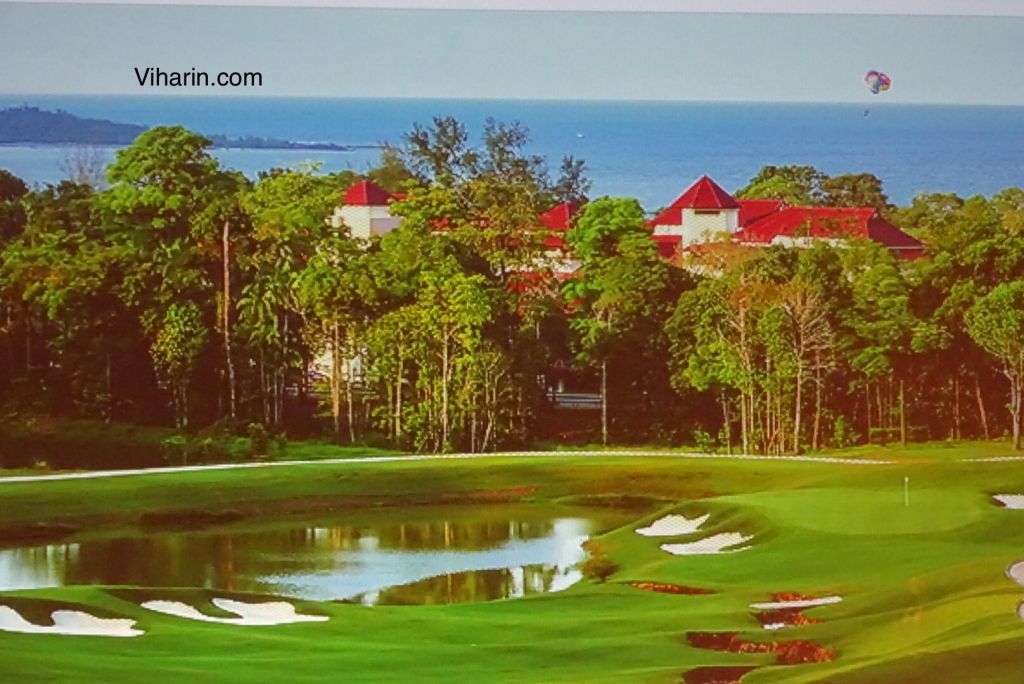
{"type": "Point", "coordinates": [259, 439]}
{"type": "Point", "coordinates": [597, 567]}
{"type": "Point", "coordinates": [705, 442]}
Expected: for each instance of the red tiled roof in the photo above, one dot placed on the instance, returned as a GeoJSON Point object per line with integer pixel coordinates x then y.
{"type": "Point", "coordinates": [559, 217]}
{"type": "Point", "coordinates": [752, 210]}
{"type": "Point", "coordinates": [828, 222]}
{"type": "Point", "coordinates": [367, 194]}
{"type": "Point", "coordinates": [892, 237]}
{"type": "Point", "coordinates": [673, 216]}
{"type": "Point", "coordinates": [705, 194]}
{"type": "Point", "coordinates": [818, 222]}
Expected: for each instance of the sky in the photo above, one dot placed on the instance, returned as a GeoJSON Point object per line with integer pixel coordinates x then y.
{"type": "Point", "coordinates": [739, 53]}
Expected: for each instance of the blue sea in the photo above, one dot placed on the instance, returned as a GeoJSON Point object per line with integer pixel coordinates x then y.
{"type": "Point", "coordinates": [648, 150]}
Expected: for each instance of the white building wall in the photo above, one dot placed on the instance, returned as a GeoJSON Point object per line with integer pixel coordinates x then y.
{"type": "Point", "coordinates": [700, 226]}
{"type": "Point", "coordinates": [365, 221]}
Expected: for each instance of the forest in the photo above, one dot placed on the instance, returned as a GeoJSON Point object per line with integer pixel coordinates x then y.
{"type": "Point", "coordinates": [173, 292]}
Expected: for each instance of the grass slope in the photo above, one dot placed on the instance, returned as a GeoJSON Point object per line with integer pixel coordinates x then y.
{"type": "Point", "coordinates": [925, 594]}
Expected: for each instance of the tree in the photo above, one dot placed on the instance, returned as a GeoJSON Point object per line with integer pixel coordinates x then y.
{"type": "Point", "coordinates": [572, 184]}
{"type": "Point", "coordinates": [163, 215]}
{"type": "Point", "coordinates": [12, 213]}
{"type": "Point", "coordinates": [391, 173]}
{"type": "Point", "coordinates": [288, 210]}
{"type": "Point", "coordinates": [996, 323]}
{"type": "Point", "coordinates": [855, 190]}
{"type": "Point", "coordinates": [798, 185]}
{"type": "Point", "coordinates": [882, 326]}
{"type": "Point", "coordinates": [619, 297]}
{"type": "Point", "coordinates": [59, 269]}
{"type": "Point", "coordinates": [335, 298]}
{"type": "Point", "coordinates": [801, 337]}
{"type": "Point", "coordinates": [179, 340]}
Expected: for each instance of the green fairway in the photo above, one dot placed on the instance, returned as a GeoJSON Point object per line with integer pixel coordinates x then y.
{"type": "Point", "coordinates": [925, 595]}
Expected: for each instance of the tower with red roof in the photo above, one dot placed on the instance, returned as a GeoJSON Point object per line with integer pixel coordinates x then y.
{"type": "Point", "coordinates": [703, 213]}
{"type": "Point", "coordinates": [366, 211]}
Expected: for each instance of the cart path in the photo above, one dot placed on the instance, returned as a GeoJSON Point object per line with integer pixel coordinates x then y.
{"type": "Point", "coordinates": [93, 475]}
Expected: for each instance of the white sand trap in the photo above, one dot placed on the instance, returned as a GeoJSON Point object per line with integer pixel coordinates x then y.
{"type": "Point", "coordinates": [1012, 501]}
{"type": "Point", "coordinates": [1016, 572]}
{"type": "Point", "coordinates": [69, 623]}
{"type": "Point", "coordinates": [252, 614]}
{"type": "Point", "coordinates": [673, 526]}
{"type": "Point", "coordinates": [717, 543]}
{"type": "Point", "coordinates": [808, 603]}
{"type": "Point", "coordinates": [776, 625]}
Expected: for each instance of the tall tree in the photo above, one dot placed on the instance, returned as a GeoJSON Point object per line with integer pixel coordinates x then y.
{"type": "Point", "coordinates": [620, 295]}
{"type": "Point", "coordinates": [996, 323]}
{"type": "Point", "coordinates": [163, 213]}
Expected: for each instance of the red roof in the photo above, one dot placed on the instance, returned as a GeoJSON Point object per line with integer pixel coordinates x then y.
{"type": "Point", "coordinates": [558, 220]}
{"type": "Point", "coordinates": [673, 216]}
{"type": "Point", "coordinates": [705, 194]}
{"type": "Point", "coordinates": [827, 222]}
{"type": "Point", "coordinates": [559, 217]}
{"type": "Point", "coordinates": [752, 210]}
{"type": "Point", "coordinates": [368, 194]}
{"type": "Point", "coordinates": [818, 222]}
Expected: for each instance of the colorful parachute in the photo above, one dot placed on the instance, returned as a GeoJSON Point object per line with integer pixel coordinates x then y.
{"type": "Point", "coordinates": [877, 81]}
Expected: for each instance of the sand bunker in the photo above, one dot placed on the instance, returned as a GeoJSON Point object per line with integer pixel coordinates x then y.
{"type": "Point", "coordinates": [717, 543]}
{"type": "Point", "coordinates": [798, 603]}
{"type": "Point", "coordinates": [673, 526]}
{"type": "Point", "coordinates": [69, 623]}
{"type": "Point", "coordinates": [1016, 572]}
{"type": "Point", "coordinates": [1012, 501]}
{"type": "Point", "coordinates": [253, 614]}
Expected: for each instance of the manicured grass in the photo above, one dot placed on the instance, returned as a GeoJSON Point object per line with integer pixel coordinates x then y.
{"type": "Point", "coordinates": [925, 594]}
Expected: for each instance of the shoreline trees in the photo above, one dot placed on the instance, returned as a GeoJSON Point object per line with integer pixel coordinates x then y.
{"type": "Point", "coordinates": [185, 294]}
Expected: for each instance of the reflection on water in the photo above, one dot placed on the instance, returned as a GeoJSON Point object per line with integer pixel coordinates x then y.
{"type": "Point", "coordinates": [453, 557]}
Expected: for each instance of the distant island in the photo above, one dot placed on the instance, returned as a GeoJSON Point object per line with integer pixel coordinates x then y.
{"type": "Point", "coordinates": [34, 126]}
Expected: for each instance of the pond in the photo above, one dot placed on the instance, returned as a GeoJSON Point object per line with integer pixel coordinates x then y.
{"type": "Point", "coordinates": [416, 557]}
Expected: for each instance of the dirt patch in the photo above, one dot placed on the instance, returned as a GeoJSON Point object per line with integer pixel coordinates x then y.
{"type": "Point", "coordinates": [716, 675]}
{"type": "Point", "coordinates": [790, 596]}
{"type": "Point", "coordinates": [662, 588]}
{"type": "Point", "coordinates": [785, 617]}
{"type": "Point", "coordinates": [787, 652]}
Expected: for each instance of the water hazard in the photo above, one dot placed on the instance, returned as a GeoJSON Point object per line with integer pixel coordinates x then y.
{"type": "Point", "coordinates": [423, 556]}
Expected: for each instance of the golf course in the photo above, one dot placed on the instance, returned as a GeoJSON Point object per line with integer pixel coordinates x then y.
{"type": "Point", "coordinates": [878, 565]}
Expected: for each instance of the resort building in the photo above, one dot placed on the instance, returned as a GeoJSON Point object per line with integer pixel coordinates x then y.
{"type": "Point", "coordinates": [367, 211]}
{"type": "Point", "coordinates": [705, 214]}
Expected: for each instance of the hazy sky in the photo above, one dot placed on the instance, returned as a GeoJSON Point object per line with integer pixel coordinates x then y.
{"type": "Point", "coordinates": [92, 48]}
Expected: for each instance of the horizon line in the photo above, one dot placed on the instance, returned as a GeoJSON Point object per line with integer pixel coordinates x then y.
{"type": "Point", "coordinates": [955, 8]}
{"type": "Point", "coordinates": [457, 98]}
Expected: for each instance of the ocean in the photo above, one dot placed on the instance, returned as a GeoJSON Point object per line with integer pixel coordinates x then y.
{"type": "Point", "coordinates": [648, 150]}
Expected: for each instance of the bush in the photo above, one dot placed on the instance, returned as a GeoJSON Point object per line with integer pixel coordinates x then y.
{"type": "Point", "coordinates": [597, 567]}
{"type": "Point", "coordinates": [176, 449]}
{"type": "Point", "coordinates": [259, 439]}
{"type": "Point", "coordinates": [842, 434]}
{"type": "Point", "coordinates": [240, 448]}
{"type": "Point", "coordinates": [705, 442]}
